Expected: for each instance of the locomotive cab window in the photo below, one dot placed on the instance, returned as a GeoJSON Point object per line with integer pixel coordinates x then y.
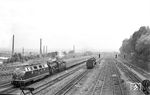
{"type": "Point", "coordinates": [35, 67]}
{"type": "Point", "coordinates": [27, 69]}
{"type": "Point", "coordinates": [40, 66]}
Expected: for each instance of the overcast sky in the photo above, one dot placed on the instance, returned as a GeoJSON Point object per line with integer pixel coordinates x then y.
{"type": "Point", "coordinates": [87, 24]}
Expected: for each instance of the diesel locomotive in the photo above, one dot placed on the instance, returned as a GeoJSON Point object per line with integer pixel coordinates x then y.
{"type": "Point", "coordinates": [29, 73]}
{"type": "Point", "coordinates": [90, 63]}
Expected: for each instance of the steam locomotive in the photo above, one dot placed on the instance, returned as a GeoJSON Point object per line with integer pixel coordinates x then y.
{"type": "Point", "coordinates": [90, 63]}
{"type": "Point", "coordinates": [29, 73]}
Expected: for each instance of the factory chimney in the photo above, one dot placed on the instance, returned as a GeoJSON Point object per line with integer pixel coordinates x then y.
{"type": "Point", "coordinates": [22, 51]}
{"type": "Point", "coordinates": [40, 46]}
{"type": "Point", "coordinates": [74, 48]}
{"type": "Point", "coordinates": [46, 49]}
{"type": "Point", "coordinates": [43, 49]}
{"type": "Point", "coordinates": [13, 44]}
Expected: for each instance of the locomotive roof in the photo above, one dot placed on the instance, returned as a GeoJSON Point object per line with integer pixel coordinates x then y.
{"type": "Point", "coordinates": [32, 67]}
{"type": "Point", "coordinates": [32, 63]}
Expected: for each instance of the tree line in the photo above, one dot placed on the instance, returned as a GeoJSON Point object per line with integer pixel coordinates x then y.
{"type": "Point", "coordinates": [137, 47]}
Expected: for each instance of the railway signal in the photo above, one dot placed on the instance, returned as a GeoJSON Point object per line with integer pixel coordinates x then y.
{"type": "Point", "coordinates": [116, 56]}
{"type": "Point", "coordinates": [99, 55]}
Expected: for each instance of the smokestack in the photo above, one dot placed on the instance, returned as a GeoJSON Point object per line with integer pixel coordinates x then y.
{"type": "Point", "coordinates": [46, 49]}
{"type": "Point", "coordinates": [43, 49]}
{"type": "Point", "coordinates": [13, 44]}
{"type": "Point", "coordinates": [40, 46]}
{"type": "Point", "coordinates": [74, 48]}
{"type": "Point", "coordinates": [23, 51]}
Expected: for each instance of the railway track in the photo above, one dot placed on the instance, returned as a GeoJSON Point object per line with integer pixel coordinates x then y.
{"type": "Point", "coordinates": [6, 87]}
{"type": "Point", "coordinates": [136, 68]}
{"type": "Point", "coordinates": [121, 91]}
{"type": "Point", "coordinates": [5, 84]}
{"type": "Point", "coordinates": [133, 77]}
{"type": "Point", "coordinates": [112, 84]}
{"type": "Point", "coordinates": [108, 79]}
{"type": "Point", "coordinates": [52, 82]}
{"type": "Point", "coordinates": [66, 88]}
{"type": "Point", "coordinates": [10, 89]}
{"type": "Point", "coordinates": [130, 74]}
{"type": "Point", "coordinates": [99, 78]}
